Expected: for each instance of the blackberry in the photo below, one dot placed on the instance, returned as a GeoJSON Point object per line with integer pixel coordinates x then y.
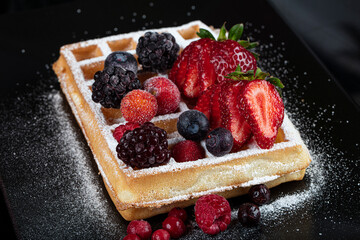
{"type": "Point", "coordinates": [157, 52]}
{"type": "Point", "coordinates": [144, 147]}
{"type": "Point", "coordinates": [112, 84]}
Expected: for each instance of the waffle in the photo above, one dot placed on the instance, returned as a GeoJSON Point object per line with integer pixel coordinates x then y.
{"type": "Point", "coordinates": [139, 194]}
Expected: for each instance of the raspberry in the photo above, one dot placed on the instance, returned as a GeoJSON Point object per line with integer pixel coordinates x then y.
{"type": "Point", "coordinates": [160, 234]}
{"type": "Point", "coordinates": [187, 150]}
{"type": "Point", "coordinates": [131, 237]}
{"type": "Point", "coordinates": [157, 52]}
{"type": "Point", "coordinates": [212, 213]}
{"type": "Point", "coordinates": [120, 130]}
{"type": "Point", "coordinates": [139, 227]}
{"type": "Point", "coordinates": [174, 226]}
{"type": "Point", "coordinates": [112, 84]}
{"type": "Point", "coordinates": [166, 92]}
{"type": "Point", "coordinates": [249, 214]}
{"type": "Point", "coordinates": [259, 194]}
{"type": "Point", "coordinates": [144, 147]}
{"type": "Point", "coordinates": [138, 106]}
{"type": "Point", "coordinates": [179, 213]}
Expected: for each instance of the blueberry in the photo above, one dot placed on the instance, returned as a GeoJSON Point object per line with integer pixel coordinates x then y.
{"type": "Point", "coordinates": [249, 214]}
{"type": "Point", "coordinates": [193, 125]}
{"type": "Point", "coordinates": [122, 59]}
{"type": "Point", "coordinates": [219, 142]}
{"type": "Point", "coordinates": [259, 194]}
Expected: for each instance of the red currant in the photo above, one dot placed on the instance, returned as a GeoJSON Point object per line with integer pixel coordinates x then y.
{"type": "Point", "coordinates": [141, 228]}
{"type": "Point", "coordinates": [175, 226]}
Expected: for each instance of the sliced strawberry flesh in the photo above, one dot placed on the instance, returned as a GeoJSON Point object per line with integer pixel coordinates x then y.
{"type": "Point", "coordinates": [263, 109]}
{"type": "Point", "coordinates": [232, 117]}
{"type": "Point", "coordinates": [191, 87]}
{"type": "Point", "coordinates": [204, 102]}
{"type": "Point", "coordinates": [215, 119]}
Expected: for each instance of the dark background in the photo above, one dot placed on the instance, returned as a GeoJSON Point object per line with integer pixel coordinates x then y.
{"type": "Point", "coordinates": [330, 28]}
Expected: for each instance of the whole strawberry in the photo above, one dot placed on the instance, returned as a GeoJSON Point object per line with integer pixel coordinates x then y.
{"type": "Point", "coordinates": [166, 92]}
{"type": "Point", "coordinates": [207, 61]}
{"type": "Point", "coordinates": [138, 106]}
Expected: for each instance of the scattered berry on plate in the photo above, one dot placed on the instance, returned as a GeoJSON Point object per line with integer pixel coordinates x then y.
{"type": "Point", "coordinates": [219, 142]}
{"type": "Point", "coordinates": [122, 59]}
{"type": "Point", "coordinates": [249, 214]}
{"type": "Point", "coordinates": [179, 213]}
{"type": "Point", "coordinates": [131, 237]}
{"type": "Point", "coordinates": [121, 129]}
{"type": "Point", "coordinates": [175, 226]}
{"type": "Point", "coordinates": [206, 61]}
{"type": "Point", "coordinates": [157, 52]}
{"type": "Point", "coordinates": [141, 228]}
{"type": "Point", "coordinates": [212, 213]}
{"type": "Point", "coordinates": [160, 234]}
{"type": "Point", "coordinates": [144, 147]}
{"type": "Point", "coordinates": [166, 92]}
{"type": "Point", "coordinates": [259, 194]}
{"type": "Point", "coordinates": [139, 106]}
{"type": "Point", "coordinates": [112, 84]}
{"type": "Point", "coordinates": [187, 151]}
{"type": "Point", "coordinates": [193, 125]}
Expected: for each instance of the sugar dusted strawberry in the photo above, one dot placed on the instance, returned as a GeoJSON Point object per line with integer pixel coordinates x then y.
{"type": "Point", "coordinates": [212, 213]}
{"type": "Point", "coordinates": [207, 61]}
{"type": "Point", "coordinates": [139, 106]}
{"type": "Point", "coordinates": [187, 151]}
{"type": "Point", "coordinates": [166, 92]}
{"type": "Point", "coordinates": [263, 109]}
{"type": "Point", "coordinates": [121, 129]}
{"type": "Point", "coordinates": [231, 116]}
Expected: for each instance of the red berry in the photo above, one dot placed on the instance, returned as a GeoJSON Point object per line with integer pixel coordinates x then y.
{"type": "Point", "coordinates": [263, 109]}
{"type": "Point", "coordinates": [212, 213]}
{"type": "Point", "coordinates": [139, 106]}
{"type": "Point", "coordinates": [121, 129]}
{"type": "Point", "coordinates": [166, 92]}
{"type": "Point", "coordinates": [187, 150]}
{"type": "Point", "coordinates": [131, 237]}
{"type": "Point", "coordinates": [179, 213]}
{"type": "Point", "coordinates": [174, 226]}
{"type": "Point", "coordinates": [160, 234]}
{"type": "Point", "coordinates": [141, 228]}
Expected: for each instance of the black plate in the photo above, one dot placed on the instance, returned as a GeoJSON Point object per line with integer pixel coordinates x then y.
{"type": "Point", "coordinates": [50, 178]}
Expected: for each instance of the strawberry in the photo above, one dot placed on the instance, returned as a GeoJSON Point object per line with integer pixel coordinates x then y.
{"type": "Point", "coordinates": [207, 61]}
{"type": "Point", "coordinates": [215, 119]}
{"type": "Point", "coordinates": [231, 116]}
{"type": "Point", "coordinates": [121, 129]}
{"type": "Point", "coordinates": [205, 101]}
{"type": "Point", "coordinates": [138, 106]}
{"type": "Point", "coordinates": [261, 104]}
{"type": "Point", "coordinates": [263, 109]}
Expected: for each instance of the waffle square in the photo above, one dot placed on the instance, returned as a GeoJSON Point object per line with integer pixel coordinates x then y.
{"type": "Point", "coordinates": [143, 193]}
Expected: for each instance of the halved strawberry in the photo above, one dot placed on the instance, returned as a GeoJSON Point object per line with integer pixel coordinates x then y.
{"type": "Point", "coordinates": [207, 75]}
{"type": "Point", "coordinates": [263, 109]}
{"type": "Point", "coordinates": [191, 87]}
{"type": "Point", "coordinates": [215, 119]}
{"type": "Point", "coordinates": [178, 71]}
{"type": "Point", "coordinates": [231, 116]}
{"type": "Point", "coordinates": [205, 101]}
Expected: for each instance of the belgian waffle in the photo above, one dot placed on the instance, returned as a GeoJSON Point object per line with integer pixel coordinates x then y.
{"type": "Point", "coordinates": [147, 192]}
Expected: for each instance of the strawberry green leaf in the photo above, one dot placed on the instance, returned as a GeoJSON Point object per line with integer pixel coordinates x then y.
{"type": "Point", "coordinates": [203, 33]}
{"type": "Point", "coordinates": [276, 82]}
{"type": "Point", "coordinates": [236, 31]}
{"type": "Point", "coordinates": [222, 34]}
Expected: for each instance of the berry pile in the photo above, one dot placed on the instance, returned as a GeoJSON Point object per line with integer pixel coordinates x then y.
{"type": "Point", "coordinates": [172, 227]}
{"type": "Point", "coordinates": [144, 147]}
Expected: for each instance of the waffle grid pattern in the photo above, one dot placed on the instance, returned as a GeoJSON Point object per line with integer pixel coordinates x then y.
{"type": "Point", "coordinates": [85, 58]}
